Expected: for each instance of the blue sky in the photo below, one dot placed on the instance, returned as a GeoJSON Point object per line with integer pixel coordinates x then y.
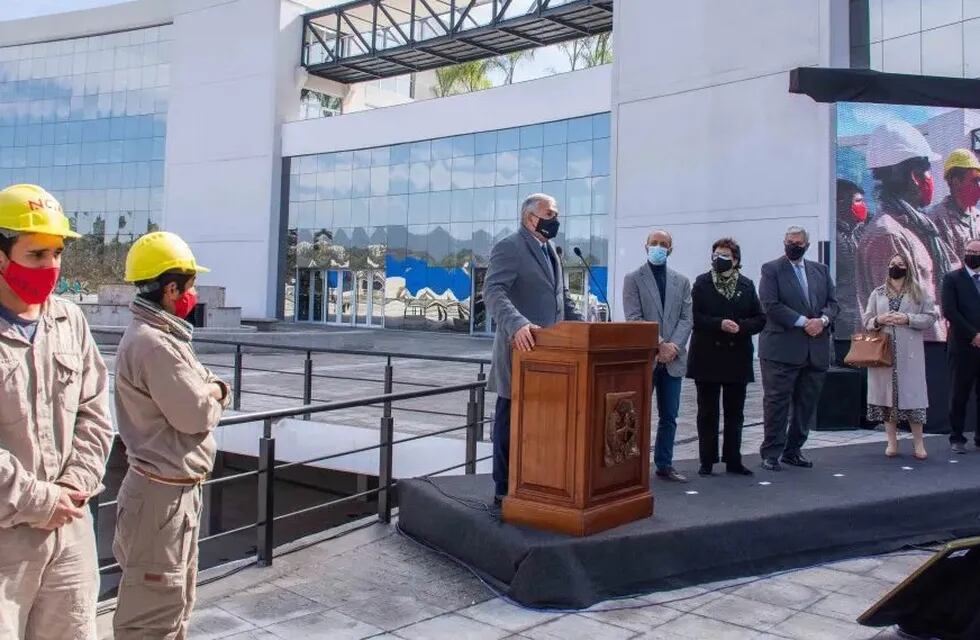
{"type": "Point", "coordinates": [13, 9]}
{"type": "Point", "coordinates": [857, 118]}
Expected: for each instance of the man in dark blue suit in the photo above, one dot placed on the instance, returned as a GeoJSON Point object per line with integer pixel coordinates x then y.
{"type": "Point", "coordinates": [961, 306]}
{"type": "Point", "coordinates": [794, 349]}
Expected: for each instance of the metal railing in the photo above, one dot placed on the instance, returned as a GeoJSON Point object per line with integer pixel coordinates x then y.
{"type": "Point", "coordinates": [267, 469]}
{"type": "Point", "coordinates": [387, 380]}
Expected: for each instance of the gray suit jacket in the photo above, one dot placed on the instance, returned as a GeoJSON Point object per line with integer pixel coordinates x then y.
{"type": "Point", "coordinates": [521, 287]}
{"type": "Point", "coordinates": [641, 301]}
{"type": "Point", "coordinates": [783, 301]}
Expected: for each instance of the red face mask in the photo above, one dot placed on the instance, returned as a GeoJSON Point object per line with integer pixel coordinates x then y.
{"type": "Point", "coordinates": [967, 194]}
{"type": "Point", "coordinates": [926, 189]}
{"type": "Point", "coordinates": [185, 304]}
{"type": "Point", "coordinates": [860, 211]}
{"type": "Point", "coordinates": [33, 286]}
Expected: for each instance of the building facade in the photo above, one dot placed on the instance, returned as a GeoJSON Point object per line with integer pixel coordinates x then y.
{"type": "Point", "coordinates": [197, 116]}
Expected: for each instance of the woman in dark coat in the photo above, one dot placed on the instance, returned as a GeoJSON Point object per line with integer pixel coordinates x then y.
{"type": "Point", "coordinates": [727, 313]}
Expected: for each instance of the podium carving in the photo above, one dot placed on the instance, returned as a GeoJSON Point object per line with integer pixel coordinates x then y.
{"type": "Point", "coordinates": [580, 427]}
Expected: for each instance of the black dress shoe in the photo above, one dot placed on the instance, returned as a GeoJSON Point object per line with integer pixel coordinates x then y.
{"type": "Point", "coordinates": [705, 470]}
{"type": "Point", "coordinates": [670, 474]}
{"type": "Point", "coordinates": [771, 464]}
{"type": "Point", "coordinates": [739, 471]}
{"type": "Point", "coordinates": [796, 460]}
{"type": "Point", "coordinates": [958, 447]}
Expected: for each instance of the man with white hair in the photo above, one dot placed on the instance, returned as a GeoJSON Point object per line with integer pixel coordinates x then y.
{"type": "Point", "coordinates": [524, 290]}
{"type": "Point", "coordinates": [794, 349]}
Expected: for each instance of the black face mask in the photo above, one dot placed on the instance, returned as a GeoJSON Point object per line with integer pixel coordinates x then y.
{"type": "Point", "coordinates": [722, 265]}
{"type": "Point", "coordinates": [548, 227]}
{"type": "Point", "coordinates": [972, 261]}
{"type": "Point", "coordinates": [897, 273]}
{"type": "Point", "coordinates": [795, 252]}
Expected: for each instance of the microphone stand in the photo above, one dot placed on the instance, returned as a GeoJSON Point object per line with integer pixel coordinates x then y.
{"type": "Point", "coordinates": [602, 290]}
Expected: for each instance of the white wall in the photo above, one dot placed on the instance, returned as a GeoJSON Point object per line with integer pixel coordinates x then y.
{"type": "Point", "coordinates": [707, 141]}
{"type": "Point", "coordinates": [75, 24]}
{"type": "Point", "coordinates": [557, 97]}
{"type": "Point", "coordinates": [231, 73]}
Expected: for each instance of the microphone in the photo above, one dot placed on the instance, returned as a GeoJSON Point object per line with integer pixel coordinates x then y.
{"type": "Point", "coordinates": [602, 290]}
{"type": "Point", "coordinates": [559, 251]}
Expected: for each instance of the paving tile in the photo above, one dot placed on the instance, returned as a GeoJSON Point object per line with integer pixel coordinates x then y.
{"type": "Point", "coordinates": [639, 619]}
{"type": "Point", "coordinates": [391, 611]}
{"type": "Point", "coordinates": [500, 613]}
{"type": "Point", "coordinates": [744, 612]}
{"type": "Point", "coordinates": [825, 579]}
{"type": "Point", "coordinates": [325, 625]}
{"type": "Point", "coordinates": [451, 627]}
{"type": "Point", "coordinates": [577, 627]}
{"type": "Point", "coordinates": [807, 626]}
{"type": "Point", "coordinates": [868, 588]}
{"type": "Point", "coordinates": [695, 627]}
{"type": "Point", "coordinates": [841, 606]}
{"type": "Point", "coordinates": [859, 566]}
{"type": "Point", "coordinates": [268, 604]}
{"type": "Point", "coordinates": [686, 599]}
{"type": "Point", "coordinates": [255, 634]}
{"type": "Point", "coordinates": [211, 623]}
{"type": "Point", "coordinates": [782, 593]}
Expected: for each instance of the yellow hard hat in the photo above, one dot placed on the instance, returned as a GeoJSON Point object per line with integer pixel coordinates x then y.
{"type": "Point", "coordinates": [961, 159]}
{"type": "Point", "coordinates": [27, 208]}
{"type": "Point", "coordinates": [159, 252]}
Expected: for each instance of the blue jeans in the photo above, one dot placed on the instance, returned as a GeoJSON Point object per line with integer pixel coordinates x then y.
{"type": "Point", "coordinates": [668, 391]}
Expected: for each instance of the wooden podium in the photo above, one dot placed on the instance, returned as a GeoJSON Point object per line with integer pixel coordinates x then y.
{"type": "Point", "coordinates": [580, 427]}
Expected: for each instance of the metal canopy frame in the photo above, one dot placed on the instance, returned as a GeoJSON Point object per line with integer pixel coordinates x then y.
{"type": "Point", "coordinates": [372, 39]}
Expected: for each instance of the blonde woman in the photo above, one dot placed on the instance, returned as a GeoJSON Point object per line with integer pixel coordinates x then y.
{"type": "Point", "coordinates": [903, 311]}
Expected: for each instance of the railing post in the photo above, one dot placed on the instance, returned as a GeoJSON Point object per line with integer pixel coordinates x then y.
{"type": "Point", "coordinates": [266, 499]}
{"type": "Point", "coordinates": [308, 382]}
{"type": "Point", "coordinates": [237, 394]}
{"type": "Point", "coordinates": [389, 384]}
{"type": "Point", "coordinates": [385, 458]}
{"type": "Point", "coordinates": [481, 404]}
{"type": "Point", "coordinates": [471, 425]}
{"type": "Point", "coordinates": [211, 512]}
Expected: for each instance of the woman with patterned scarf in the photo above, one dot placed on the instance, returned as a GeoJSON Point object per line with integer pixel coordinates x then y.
{"type": "Point", "coordinates": [727, 313]}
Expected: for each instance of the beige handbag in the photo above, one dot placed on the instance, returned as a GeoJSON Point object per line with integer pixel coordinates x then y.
{"type": "Point", "coordinates": [870, 349]}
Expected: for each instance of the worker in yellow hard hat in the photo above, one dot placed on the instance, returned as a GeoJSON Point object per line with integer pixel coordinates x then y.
{"type": "Point", "coordinates": [956, 216]}
{"type": "Point", "coordinates": [55, 430]}
{"type": "Point", "coordinates": [167, 405]}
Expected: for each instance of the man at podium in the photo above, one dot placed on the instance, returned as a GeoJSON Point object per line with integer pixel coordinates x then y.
{"type": "Point", "coordinates": [524, 289]}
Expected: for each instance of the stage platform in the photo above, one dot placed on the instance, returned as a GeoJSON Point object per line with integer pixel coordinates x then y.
{"type": "Point", "coordinates": [854, 502]}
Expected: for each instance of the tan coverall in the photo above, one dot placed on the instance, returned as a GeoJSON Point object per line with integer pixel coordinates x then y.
{"type": "Point", "coordinates": [165, 416]}
{"type": "Point", "coordinates": [54, 430]}
{"type": "Point", "coordinates": [956, 226]}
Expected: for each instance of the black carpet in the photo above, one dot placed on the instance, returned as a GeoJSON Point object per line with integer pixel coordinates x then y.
{"type": "Point", "coordinates": [854, 502]}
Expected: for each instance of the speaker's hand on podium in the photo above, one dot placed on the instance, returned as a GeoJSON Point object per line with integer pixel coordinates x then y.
{"type": "Point", "coordinates": [524, 339]}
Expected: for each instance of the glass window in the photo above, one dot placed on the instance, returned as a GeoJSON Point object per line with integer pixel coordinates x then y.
{"type": "Point", "coordinates": [437, 244]}
{"type": "Point", "coordinates": [462, 206]}
{"type": "Point", "coordinates": [307, 164]}
{"type": "Point", "coordinates": [398, 178]}
{"type": "Point", "coordinates": [440, 174]}
{"type": "Point", "coordinates": [397, 210]}
{"type": "Point", "coordinates": [324, 214]}
{"type": "Point", "coordinates": [418, 208]}
{"type": "Point", "coordinates": [936, 13]}
{"type": "Point", "coordinates": [579, 159]}
{"type": "Point", "coordinates": [324, 186]}
{"type": "Point", "coordinates": [508, 140]}
{"type": "Point", "coordinates": [360, 211]}
{"type": "Point", "coordinates": [342, 184]}
{"type": "Point", "coordinates": [419, 177]}
{"type": "Point", "coordinates": [463, 146]}
{"type": "Point", "coordinates": [401, 154]}
{"type": "Point", "coordinates": [324, 162]}
{"type": "Point", "coordinates": [600, 157]}
{"type": "Point", "coordinates": [971, 47]}
{"type": "Point", "coordinates": [532, 136]}
{"type": "Point", "coordinates": [421, 151]}
{"type": "Point", "coordinates": [900, 17]}
{"type": "Point", "coordinates": [483, 200]}
{"type": "Point", "coordinates": [507, 167]}
{"type": "Point", "coordinates": [600, 195]}
{"type": "Point", "coordinates": [485, 142]}
{"type": "Point", "coordinates": [903, 55]}
{"type": "Point", "coordinates": [556, 189]}
{"type": "Point", "coordinates": [379, 211]}
{"type": "Point", "coordinates": [578, 197]}
{"type": "Point", "coordinates": [362, 159]}
{"type": "Point", "coordinates": [554, 162]}
{"type": "Point", "coordinates": [381, 157]}
{"type": "Point", "coordinates": [601, 125]}
{"type": "Point", "coordinates": [942, 51]}
{"type": "Point", "coordinates": [361, 183]}
{"type": "Point", "coordinates": [580, 129]}
{"type": "Point", "coordinates": [530, 165]}
{"type": "Point", "coordinates": [442, 148]}
{"type": "Point", "coordinates": [307, 187]}
{"type": "Point", "coordinates": [379, 181]}
{"type": "Point", "coordinates": [600, 245]}
{"type": "Point", "coordinates": [343, 161]}
{"type": "Point", "coordinates": [463, 172]}
{"type": "Point", "coordinates": [440, 206]}
{"type": "Point", "coordinates": [506, 204]}
{"type": "Point", "coordinates": [484, 170]}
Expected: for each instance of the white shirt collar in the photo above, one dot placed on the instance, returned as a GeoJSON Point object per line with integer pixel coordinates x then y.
{"type": "Point", "coordinates": [972, 272]}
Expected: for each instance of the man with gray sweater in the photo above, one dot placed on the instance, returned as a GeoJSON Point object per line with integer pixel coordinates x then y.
{"type": "Point", "coordinates": [524, 290]}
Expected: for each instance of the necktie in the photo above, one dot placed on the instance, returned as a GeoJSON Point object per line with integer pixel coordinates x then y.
{"type": "Point", "coordinates": [548, 259]}
{"type": "Point", "coordinates": [801, 276]}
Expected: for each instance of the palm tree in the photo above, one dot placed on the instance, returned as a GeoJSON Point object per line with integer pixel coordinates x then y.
{"type": "Point", "coordinates": [463, 78]}
{"type": "Point", "coordinates": [508, 63]}
{"type": "Point", "coordinates": [588, 52]}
